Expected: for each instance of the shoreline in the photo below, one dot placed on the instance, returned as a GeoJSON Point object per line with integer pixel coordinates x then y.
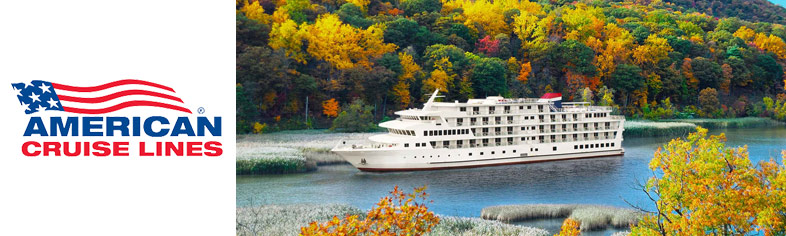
{"type": "Point", "coordinates": [287, 219]}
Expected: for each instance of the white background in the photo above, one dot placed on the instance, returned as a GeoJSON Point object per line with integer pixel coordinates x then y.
{"type": "Point", "coordinates": [186, 45]}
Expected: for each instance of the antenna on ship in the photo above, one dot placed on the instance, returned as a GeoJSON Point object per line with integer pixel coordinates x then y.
{"type": "Point", "coordinates": [431, 100]}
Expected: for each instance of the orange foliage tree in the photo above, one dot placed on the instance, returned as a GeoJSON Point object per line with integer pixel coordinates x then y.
{"type": "Point", "coordinates": [570, 227]}
{"type": "Point", "coordinates": [330, 107]}
{"type": "Point", "coordinates": [400, 214]}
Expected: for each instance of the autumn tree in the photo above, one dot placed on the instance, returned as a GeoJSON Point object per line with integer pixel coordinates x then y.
{"type": "Point", "coordinates": [654, 49]}
{"type": "Point", "coordinates": [570, 227]}
{"type": "Point", "coordinates": [708, 99]}
{"type": "Point", "coordinates": [400, 214]}
{"type": "Point", "coordinates": [707, 72]}
{"type": "Point", "coordinates": [703, 187]}
{"type": "Point", "coordinates": [330, 107]}
{"type": "Point", "coordinates": [577, 57]}
{"type": "Point", "coordinates": [344, 46]}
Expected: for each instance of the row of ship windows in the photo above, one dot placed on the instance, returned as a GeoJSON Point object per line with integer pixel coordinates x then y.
{"type": "Point", "coordinates": [445, 132]}
{"type": "Point", "coordinates": [594, 145]}
{"type": "Point", "coordinates": [470, 154]}
{"type": "Point", "coordinates": [541, 117]}
{"type": "Point", "coordinates": [507, 108]}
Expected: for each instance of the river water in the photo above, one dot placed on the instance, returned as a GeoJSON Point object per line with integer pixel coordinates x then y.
{"type": "Point", "coordinates": [464, 192]}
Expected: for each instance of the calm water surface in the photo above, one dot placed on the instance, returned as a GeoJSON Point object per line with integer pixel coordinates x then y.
{"type": "Point", "coordinates": [464, 192]}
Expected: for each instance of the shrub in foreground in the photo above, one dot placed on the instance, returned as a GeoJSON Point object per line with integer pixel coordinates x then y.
{"type": "Point", "coordinates": [400, 214]}
{"type": "Point", "coordinates": [702, 187]}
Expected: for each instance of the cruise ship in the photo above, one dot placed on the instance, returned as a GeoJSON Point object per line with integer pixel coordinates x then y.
{"type": "Point", "coordinates": [488, 132]}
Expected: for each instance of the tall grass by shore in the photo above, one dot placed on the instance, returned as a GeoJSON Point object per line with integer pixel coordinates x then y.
{"type": "Point", "coordinates": [271, 160]}
{"type": "Point", "coordinates": [591, 217]}
{"type": "Point", "coordinates": [743, 122]}
{"type": "Point", "coordinates": [639, 128]}
{"type": "Point", "coordinates": [287, 220]}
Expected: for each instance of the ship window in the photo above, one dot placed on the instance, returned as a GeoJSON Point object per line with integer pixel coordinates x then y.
{"type": "Point", "coordinates": [554, 148]}
{"type": "Point", "coordinates": [521, 107]}
{"type": "Point", "coordinates": [612, 144]}
{"type": "Point", "coordinates": [470, 154]}
{"type": "Point", "coordinates": [522, 138]}
{"type": "Point", "coordinates": [529, 107]}
{"type": "Point", "coordinates": [417, 144]}
{"type": "Point", "coordinates": [536, 149]}
{"type": "Point", "coordinates": [575, 146]}
{"type": "Point", "coordinates": [503, 151]}
{"type": "Point", "coordinates": [423, 144]}
{"type": "Point", "coordinates": [481, 153]}
{"type": "Point", "coordinates": [514, 150]}
{"type": "Point", "coordinates": [462, 109]}
{"type": "Point", "coordinates": [526, 117]}
{"type": "Point", "coordinates": [492, 152]}
{"type": "Point", "coordinates": [425, 133]}
{"type": "Point", "coordinates": [406, 145]}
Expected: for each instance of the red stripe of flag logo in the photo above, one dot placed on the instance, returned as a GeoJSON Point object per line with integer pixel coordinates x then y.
{"type": "Point", "coordinates": [38, 95]}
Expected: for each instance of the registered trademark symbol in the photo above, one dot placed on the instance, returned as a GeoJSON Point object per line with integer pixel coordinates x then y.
{"type": "Point", "coordinates": [201, 110]}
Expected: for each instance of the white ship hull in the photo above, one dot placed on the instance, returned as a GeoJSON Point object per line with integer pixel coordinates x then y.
{"type": "Point", "coordinates": [381, 160]}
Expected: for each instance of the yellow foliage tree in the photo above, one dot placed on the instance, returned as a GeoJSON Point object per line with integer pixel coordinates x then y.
{"type": "Point", "coordinates": [255, 12]}
{"type": "Point", "coordinates": [363, 4]}
{"type": "Point", "coordinates": [344, 46]}
{"type": "Point", "coordinates": [654, 49]}
{"type": "Point", "coordinates": [772, 44]}
{"type": "Point", "coordinates": [706, 188]}
{"type": "Point", "coordinates": [439, 79]}
{"type": "Point", "coordinates": [288, 36]}
{"type": "Point", "coordinates": [330, 107]}
{"type": "Point", "coordinates": [745, 33]}
{"type": "Point", "coordinates": [408, 70]}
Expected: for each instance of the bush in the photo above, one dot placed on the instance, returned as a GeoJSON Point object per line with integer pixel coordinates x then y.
{"type": "Point", "coordinates": [401, 214]}
{"type": "Point", "coordinates": [356, 117]}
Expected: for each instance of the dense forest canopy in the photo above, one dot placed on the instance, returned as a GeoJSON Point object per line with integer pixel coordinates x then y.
{"type": "Point", "coordinates": [647, 58]}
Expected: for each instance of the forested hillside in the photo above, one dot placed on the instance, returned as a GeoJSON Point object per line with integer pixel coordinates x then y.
{"type": "Point", "coordinates": [648, 58]}
{"type": "Point", "coordinates": [752, 10]}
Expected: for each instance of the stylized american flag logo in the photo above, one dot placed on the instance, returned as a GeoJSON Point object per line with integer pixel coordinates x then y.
{"type": "Point", "coordinates": [39, 95]}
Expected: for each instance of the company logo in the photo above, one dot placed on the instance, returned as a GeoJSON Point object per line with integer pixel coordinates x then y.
{"type": "Point", "coordinates": [38, 95]}
{"type": "Point", "coordinates": [85, 103]}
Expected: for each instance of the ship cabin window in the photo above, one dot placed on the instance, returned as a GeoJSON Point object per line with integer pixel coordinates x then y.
{"type": "Point", "coordinates": [521, 107]}
{"type": "Point", "coordinates": [529, 107]}
{"type": "Point", "coordinates": [575, 146]}
{"type": "Point", "coordinates": [433, 143]}
{"type": "Point", "coordinates": [406, 145]}
{"type": "Point", "coordinates": [522, 138]}
{"type": "Point", "coordinates": [612, 144]}
{"type": "Point", "coordinates": [462, 109]}
{"type": "Point", "coordinates": [481, 153]}
{"type": "Point", "coordinates": [430, 133]}
{"type": "Point", "coordinates": [417, 144]}
{"type": "Point", "coordinates": [540, 107]}
{"type": "Point", "coordinates": [440, 132]}
{"type": "Point", "coordinates": [503, 151]}
{"type": "Point", "coordinates": [423, 144]}
{"type": "Point", "coordinates": [492, 152]}
{"type": "Point", "coordinates": [522, 128]}
{"type": "Point", "coordinates": [536, 149]}
{"type": "Point", "coordinates": [470, 154]}
{"type": "Point", "coordinates": [581, 146]}
{"type": "Point", "coordinates": [514, 150]}
{"type": "Point", "coordinates": [475, 109]}
{"type": "Point", "coordinates": [425, 133]}
{"type": "Point", "coordinates": [554, 148]}
{"type": "Point", "coordinates": [526, 117]}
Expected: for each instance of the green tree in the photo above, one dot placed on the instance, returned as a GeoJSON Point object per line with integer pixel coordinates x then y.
{"type": "Point", "coordinates": [708, 72]}
{"type": "Point", "coordinates": [577, 57]}
{"type": "Point", "coordinates": [352, 14]}
{"type": "Point", "coordinates": [356, 117]}
{"type": "Point", "coordinates": [488, 77]}
{"type": "Point", "coordinates": [411, 7]}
